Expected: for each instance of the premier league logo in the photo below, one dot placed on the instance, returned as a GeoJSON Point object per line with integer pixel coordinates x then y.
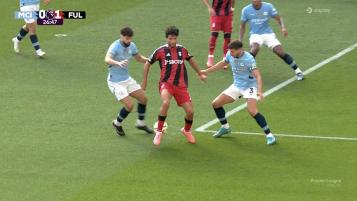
{"type": "Point", "coordinates": [50, 17]}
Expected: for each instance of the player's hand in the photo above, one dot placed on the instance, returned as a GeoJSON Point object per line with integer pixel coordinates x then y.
{"type": "Point", "coordinates": [46, 2]}
{"type": "Point", "coordinates": [212, 12]}
{"type": "Point", "coordinates": [203, 72]}
{"type": "Point", "coordinates": [123, 63]}
{"type": "Point", "coordinates": [202, 77]}
{"type": "Point", "coordinates": [260, 95]}
{"type": "Point", "coordinates": [285, 32]}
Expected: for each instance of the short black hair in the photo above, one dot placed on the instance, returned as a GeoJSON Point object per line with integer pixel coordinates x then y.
{"type": "Point", "coordinates": [127, 31]}
{"type": "Point", "coordinates": [172, 30]}
{"type": "Point", "coordinates": [236, 44]}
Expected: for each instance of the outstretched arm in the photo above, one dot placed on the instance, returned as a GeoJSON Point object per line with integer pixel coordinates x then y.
{"type": "Point", "coordinates": [217, 66]}
{"type": "Point", "coordinates": [140, 58]}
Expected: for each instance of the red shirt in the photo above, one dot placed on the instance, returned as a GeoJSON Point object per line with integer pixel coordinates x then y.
{"type": "Point", "coordinates": [172, 64]}
{"type": "Point", "coordinates": [222, 7]}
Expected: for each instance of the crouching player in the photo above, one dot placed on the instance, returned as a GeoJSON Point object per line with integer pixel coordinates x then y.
{"type": "Point", "coordinates": [247, 84]}
{"type": "Point", "coordinates": [121, 84]}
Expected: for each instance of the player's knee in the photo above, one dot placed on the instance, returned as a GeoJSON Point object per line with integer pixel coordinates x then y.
{"type": "Point", "coordinates": [279, 51]}
{"type": "Point", "coordinates": [255, 48]}
{"type": "Point", "coordinates": [144, 100]}
{"type": "Point", "coordinates": [129, 107]}
{"type": "Point", "coordinates": [189, 112]}
{"type": "Point", "coordinates": [214, 34]}
{"type": "Point", "coordinates": [252, 111]}
{"type": "Point", "coordinates": [227, 35]}
{"type": "Point", "coordinates": [32, 28]}
{"type": "Point", "coordinates": [215, 104]}
{"type": "Point", "coordinates": [165, 103]}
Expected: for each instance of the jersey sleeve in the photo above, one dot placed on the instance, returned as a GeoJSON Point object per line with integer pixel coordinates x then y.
{"type": "Point", "coordinates": [113, 49]}
{"type": "Point", "coordinates": [155, 56]}
{"type": "Point", "coordinates": [244, 15]}
{"type": "Point", "coordinates": [134, 50]}
{"type": "Point", "coordinates": [252, 65]}
{"type": "Point", "coordinates": [272, 11]}
{"type": "Point", "coordinates": [186, 54]}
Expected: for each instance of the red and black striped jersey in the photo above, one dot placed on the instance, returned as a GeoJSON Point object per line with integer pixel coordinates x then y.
{"type": "Point", "coordinates": [222, 7]}
{"type": "Point", "coordinates": [172, 64]}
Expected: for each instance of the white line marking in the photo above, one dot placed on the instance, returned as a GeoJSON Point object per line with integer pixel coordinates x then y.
{"type": "Point", "coordinates": [294, 136]}
{"type": "Point", "coordinates": [61, 35]}
{"type": "Point", "coordinates": [280, 86]}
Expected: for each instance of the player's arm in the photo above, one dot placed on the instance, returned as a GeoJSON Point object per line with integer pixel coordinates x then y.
{"type": "Point", "coordinates": [242, 31]}
{"type": "Point", "coordinates": [110, 61]}
{"type": "Point", "coordinates": [147, 66]}
{"type": "Point", "coordinates": [196, 68]}
{"type": "Point", "coordinates": [233, 3]}
{"type": "Point", "coordinates": [140, 58]}
{"type": "Point", "coordinates": [280, 21]}
{"type": "Point", "coordinates": [258, 77]}
{"type": "Point", "coordinates": [211, 11]}
{"type": "Point", "coordinates": [243, 22]}
{"type": "Point", "coordinates": [217, 66]}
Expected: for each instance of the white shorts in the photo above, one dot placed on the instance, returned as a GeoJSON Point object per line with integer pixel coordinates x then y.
{"type": "Point", "coordinates": [269, 40]}
{"type": "Point", "coordinates": [236, 93]}
{"type": "Point", "coordinates": [32, 8]}
{"type": "Point", "coordinates": [122, 89]}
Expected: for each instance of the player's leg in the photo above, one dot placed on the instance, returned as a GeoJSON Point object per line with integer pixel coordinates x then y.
{"type": "Point", "coordinates": [186, 130]}
{"type": "Point", "coordinates": [122, 95]}
{"type": "Point", "coordinates": [255, 42]}
{"type": "Point", "coordinates": [228, 96]}
{"type": "Point", "coordinates": [123, 113]}
{"type": "Point", "coordinates": [274, 44]}
{"type": "Point", "coordinates": [166, 95]}
{"type": "Point", "coordinates": [215, 27]}
{"type": "Point", "coordinates": [260, 119]}
{"type": "Point", "coordinates": [227, 29]}
{"type": "Point", "coordinates": [140, 96]}
{"type": "Point", "coordinates": [227, 40]}
{"type": "Point", "coordinates": [212, 46]}
{"type": "Point", "coordinates": [24, 30]}
{"type": "Point", "coordinates": [16, 41]}
{"type": "Point", "coordinates": [34, 39]}
{"type": "Point", "coordinates": [288, 59]}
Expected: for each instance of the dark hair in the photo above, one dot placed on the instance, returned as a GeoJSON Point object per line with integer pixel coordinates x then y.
{"type": "Point", "coordinates": [236, 44]}
{"type": "Point", "coordinates": [127, 31]}
{"type": "Point", "coordinates": [172, 30]}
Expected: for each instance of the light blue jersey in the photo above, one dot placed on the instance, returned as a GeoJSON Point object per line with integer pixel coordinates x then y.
{"type": "Point", "coordinates": [120, 53]}
{"type": "Point", "coordinates": [29, 2]}
{"type": "Point", "coordinates": [242, 68]}
{"type": "Point", "coordinates": [259, 19]}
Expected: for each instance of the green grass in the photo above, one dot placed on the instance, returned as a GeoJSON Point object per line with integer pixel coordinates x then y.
{"type": "Point", "coordinates": [57, 142]}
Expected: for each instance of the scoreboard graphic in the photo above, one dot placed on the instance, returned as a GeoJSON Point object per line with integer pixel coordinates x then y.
{"type": "Point", "coordinates": [51, 17]}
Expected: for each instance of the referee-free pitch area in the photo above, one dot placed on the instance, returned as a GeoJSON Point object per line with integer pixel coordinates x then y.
{"type": "Point", "coordinates": [57, 142]}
